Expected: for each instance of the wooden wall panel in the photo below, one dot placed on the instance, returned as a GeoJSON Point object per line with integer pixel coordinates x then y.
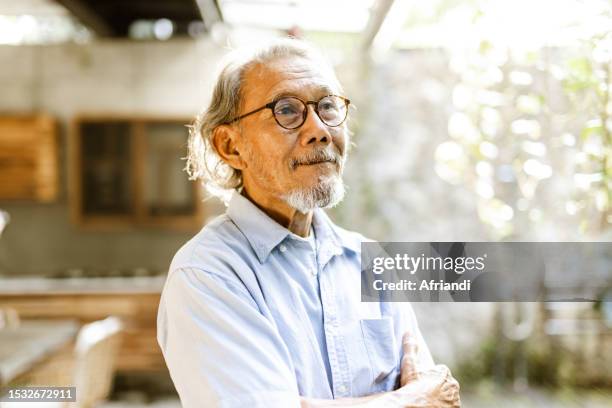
{"type": "Point", "coordinates": [28, 158]}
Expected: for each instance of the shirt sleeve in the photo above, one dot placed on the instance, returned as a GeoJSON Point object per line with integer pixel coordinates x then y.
{"type": "Point", "coordinates": [220, 350]}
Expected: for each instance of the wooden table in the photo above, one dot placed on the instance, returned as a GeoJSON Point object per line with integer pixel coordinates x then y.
{"type": "Point", "coordinates": [32, 344]}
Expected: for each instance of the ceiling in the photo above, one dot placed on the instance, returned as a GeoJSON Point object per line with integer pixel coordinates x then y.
{"type": "Point", "coordinates": [113, 18]}
{"type": "Point", "coordinates": [53, 21]}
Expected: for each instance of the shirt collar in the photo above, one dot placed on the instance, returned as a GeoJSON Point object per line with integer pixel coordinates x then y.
{"type": "Point", "coordinates": [264, 234]}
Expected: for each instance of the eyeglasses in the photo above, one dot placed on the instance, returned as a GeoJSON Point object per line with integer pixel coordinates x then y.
{"type": "Point", "coordinates": [291, 112]}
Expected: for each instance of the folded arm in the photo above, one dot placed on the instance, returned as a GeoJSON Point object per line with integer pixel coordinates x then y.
{"type": "Point", "coordinates": [432, 387]}
{"type": "Point", "coordinates": [222, 352]}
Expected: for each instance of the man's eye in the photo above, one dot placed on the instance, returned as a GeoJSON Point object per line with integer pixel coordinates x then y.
{"type": "Point", "coordinates": [286, 110]}
{"type": "Point", "coordinates": [328, 106]}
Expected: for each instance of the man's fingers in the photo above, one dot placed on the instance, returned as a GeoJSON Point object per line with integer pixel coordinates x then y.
{"type": "Point", "coordinates": [409, 370]}
{"type": "Point", "coordinates": [450, 391]}
{"type": "Point", "coordinates": [409, 344]}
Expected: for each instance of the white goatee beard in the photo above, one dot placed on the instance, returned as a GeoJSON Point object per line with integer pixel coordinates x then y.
{"type": "Point", "coordinates": [328, 193]}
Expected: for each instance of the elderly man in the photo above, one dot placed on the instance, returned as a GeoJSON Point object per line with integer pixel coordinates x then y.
{"type": "Point", "coordinates": [262, 307]}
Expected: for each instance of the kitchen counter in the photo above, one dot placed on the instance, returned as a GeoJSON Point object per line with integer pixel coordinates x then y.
{"type": "Point", "coordinates": [118, 285]}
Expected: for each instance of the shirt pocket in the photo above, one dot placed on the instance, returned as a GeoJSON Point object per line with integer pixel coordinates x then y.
{"type": "Point", "coordinates": [383, 354]}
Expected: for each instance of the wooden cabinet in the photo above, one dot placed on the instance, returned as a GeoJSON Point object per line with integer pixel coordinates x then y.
{"type": "Point", "coordinates": [129, 172]}
{"type": "Point", "coordinates": [28, 158]}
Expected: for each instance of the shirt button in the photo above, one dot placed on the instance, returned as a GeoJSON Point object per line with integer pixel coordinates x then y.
{"type": "Point", "coordinates": [283, 248]}
{"type": "Point", "coordinates": [341, 388]}
{"type": "Point", "coordinates": [313, 271]}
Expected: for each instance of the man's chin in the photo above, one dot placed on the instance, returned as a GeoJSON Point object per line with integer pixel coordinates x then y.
{"type": "Point", "coordinates": [327, 193]}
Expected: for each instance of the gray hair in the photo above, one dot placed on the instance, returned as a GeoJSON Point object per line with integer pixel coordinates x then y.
{"type": "Point", "coordinates": [203, 161]}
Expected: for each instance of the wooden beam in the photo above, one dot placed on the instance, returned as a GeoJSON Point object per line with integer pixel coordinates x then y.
{"type": "Point", "coordinates": [377, 18]}
{"type": "Point", "coordinates": [83, 12]}
{"type": "Point", "coordinates": [210, 12]}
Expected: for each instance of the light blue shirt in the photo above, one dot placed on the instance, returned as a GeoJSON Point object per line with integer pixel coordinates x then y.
{"type": "Point", "coordinates": [252, 316]}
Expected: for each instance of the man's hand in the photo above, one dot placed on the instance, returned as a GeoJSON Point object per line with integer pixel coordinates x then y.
{"type": "Point", "coordinates": [434, 387]}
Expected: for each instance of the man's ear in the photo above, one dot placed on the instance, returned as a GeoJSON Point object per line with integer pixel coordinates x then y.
{"type": "Point", "coordinates": [224, 139]}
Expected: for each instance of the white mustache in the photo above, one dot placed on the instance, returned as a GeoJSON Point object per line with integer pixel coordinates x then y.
{"type": "Point", "coordinates": [316, 156]}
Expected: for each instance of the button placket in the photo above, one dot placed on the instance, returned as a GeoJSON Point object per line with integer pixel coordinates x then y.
{"type": "Point", "coordinates": [335, 343]}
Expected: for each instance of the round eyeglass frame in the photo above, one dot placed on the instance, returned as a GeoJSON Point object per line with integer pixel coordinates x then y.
{"type": "Point", "coordinates": [272, 105]}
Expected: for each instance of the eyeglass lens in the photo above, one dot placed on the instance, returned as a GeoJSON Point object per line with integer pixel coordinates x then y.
{"type": "Point", "coordinates": [289, 112]}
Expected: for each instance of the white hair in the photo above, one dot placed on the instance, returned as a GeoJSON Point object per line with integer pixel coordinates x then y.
{"type": "Point", "coordinates": [203, 161]}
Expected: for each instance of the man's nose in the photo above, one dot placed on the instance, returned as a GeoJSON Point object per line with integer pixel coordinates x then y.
{"type": "Point", "coordinates": [314, 131]}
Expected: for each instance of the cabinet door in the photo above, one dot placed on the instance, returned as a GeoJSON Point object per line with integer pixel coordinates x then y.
{"type": "Point", "coordinates": [168, 196]}
{"type": "Point", "coordinates": [128, 172]}
{"type": "Point", "coordinates": [104, 172]}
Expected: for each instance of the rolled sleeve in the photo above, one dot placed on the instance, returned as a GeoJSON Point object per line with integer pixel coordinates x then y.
{"type": "Point", "coordinates": [220, 350]}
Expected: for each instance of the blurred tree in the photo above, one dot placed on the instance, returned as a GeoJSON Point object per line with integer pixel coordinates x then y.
{"type": "Point", "coordinates": [588, 85]}
{"type": "Point", "coordinates": [517, 108]}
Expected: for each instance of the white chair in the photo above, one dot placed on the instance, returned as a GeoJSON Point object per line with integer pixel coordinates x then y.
{"type": "Point", "coordinates": [95, 353]}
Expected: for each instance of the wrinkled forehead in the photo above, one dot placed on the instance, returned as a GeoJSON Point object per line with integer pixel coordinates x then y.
{"type": "Point", "coordinates": [303, 77]}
